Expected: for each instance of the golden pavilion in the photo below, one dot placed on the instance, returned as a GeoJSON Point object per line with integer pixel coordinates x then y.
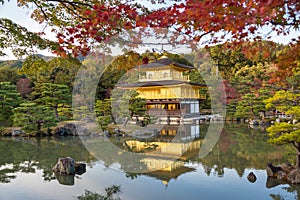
{"type": "Point", "coordinates": [169, 94]}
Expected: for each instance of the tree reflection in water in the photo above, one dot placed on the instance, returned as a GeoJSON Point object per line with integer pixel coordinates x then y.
{"type": "Point", "coordinates": [239, 148]}
{"type": "Point", "coordinates": [27, 155]}
{"type": "Point", "coordinates": [290, 188]}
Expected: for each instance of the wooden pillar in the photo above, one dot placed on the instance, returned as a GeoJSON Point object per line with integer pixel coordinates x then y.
{"type": "Point", "coordinates": [168, 120]}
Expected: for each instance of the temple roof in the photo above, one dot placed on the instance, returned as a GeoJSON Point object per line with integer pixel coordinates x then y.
{"type": "Point", "coordinates": [168, 175]}
{"type": "Point", "coordinates": [160, 83]}
{"type": "Point", "coordinates": [164, 62]}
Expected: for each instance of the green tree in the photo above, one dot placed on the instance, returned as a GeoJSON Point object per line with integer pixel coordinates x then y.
{"type": "Point", "coordinates": [63, 70]}
{"type": "Point", "coordinates": [64, 111]}
{"type": "Point", "coordinates": [252, 105]}
{"type": "Point", "coordinates": [283, 132]}
{"type": "Point", "coordinates": [252, 77]}
{"type": "Point", "coordinates": [136, 105]}
{"type": "Point", "coordinates": [103, 107]}
{"type": "Point", "coordinates": [283, 101]}
{"type": "Point", "coordinates": [34, 118]}
{"type": "Point", "coordinates": [9, 99]}
{"type": "Point", "coordinates": [127, 104]}
{"type": "Point", "coordinates": [294, 79]}
{"type": "Point", "coordinates": [104, 111]}
{"type": "Point", "coordinates": [54, 96]}
{"type": "Point", "coordinates": [116, 72]}
{"type": "Point", "coordinates": [35, 68]}
{"type": "Point", "coordinates": [57, 70]}
{"type": "Point", "coordinates": [8, 74]}
{"type": "Point", "coordinates": [228, 60]}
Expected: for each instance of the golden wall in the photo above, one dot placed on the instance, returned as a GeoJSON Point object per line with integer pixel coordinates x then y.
{"type": "Point", "coordinates": [171, 92]}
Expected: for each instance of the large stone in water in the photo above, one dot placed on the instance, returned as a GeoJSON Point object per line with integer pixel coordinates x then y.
{"type": "Point", "coordinates": [65, 166]}
{"type": "Point", "coordinates": [251, 177]}
{"type": "Point", "coordinates": [272, 171]}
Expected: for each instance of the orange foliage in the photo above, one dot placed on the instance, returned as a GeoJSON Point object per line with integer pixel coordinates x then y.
{"type": "Point", "coordinates": [192, 19]}
{"type": "Point", "coordinates": [287, 61]}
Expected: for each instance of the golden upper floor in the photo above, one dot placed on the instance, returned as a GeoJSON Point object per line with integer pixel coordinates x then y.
{"type": "Point", "coordinates": [163, 69]}
{"type": "Point", "coordinates": [162, 74]}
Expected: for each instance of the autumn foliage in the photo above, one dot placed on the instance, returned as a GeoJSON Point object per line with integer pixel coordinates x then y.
{"type": "Point", "coordinates": [189, 21]}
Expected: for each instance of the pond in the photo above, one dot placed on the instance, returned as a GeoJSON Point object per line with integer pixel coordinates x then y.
{"type": "Point", "coordinates": [26, 167]}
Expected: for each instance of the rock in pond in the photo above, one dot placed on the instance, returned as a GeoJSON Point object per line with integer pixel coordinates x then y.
{"type": "Point", "coordinates": [251, 177]}
{"type": "Point", "coordinates": [272, 171]}
{"type": "Point", "coordinates": [80, 168]}
{"type": "Point", "coordinates": [285, 172]}
{"type": "Point", "coordinates": [67, 166]}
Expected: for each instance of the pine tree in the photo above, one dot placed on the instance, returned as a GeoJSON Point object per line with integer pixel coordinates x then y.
{"type": "Point", "coordinates": [34, 118]}
{"type": "Point", "coordinates": [9, 99]}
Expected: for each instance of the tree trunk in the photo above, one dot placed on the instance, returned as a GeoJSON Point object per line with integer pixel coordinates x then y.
{"type": "Point", "coordinates": [113, 118]}
{"type": "Point", "coordinates": [39, 127]}
{"type": "Point", "coordinates": [298, 161]}
{"type": "Point", "coordinates": [253, 114]}
{"type": "Point", "coordinates": [294, 176]}
{"type": "Point", "coordinates": [297, 146]}
{"type": "Point", "coordinates": [56, 112]}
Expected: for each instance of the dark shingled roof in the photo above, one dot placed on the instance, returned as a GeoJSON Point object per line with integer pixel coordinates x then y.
{"type": "Point", "coordinates": [159, 83]}
{"type": "Point", "coordinates": [163, 62]}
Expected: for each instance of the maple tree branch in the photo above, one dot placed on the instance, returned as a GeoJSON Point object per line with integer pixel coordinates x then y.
{"type": "Point", "coordinates": [295, 144]}
{"type": "Point", "coordinates": [73, 11]}
{"type": "Point", "coordinates": [71, 6]}
{"type": "Point", "coordinates": [180, 31]}
{"type": "Point", "coordinates": [74, 6]}
{"type": "Point", "coordinates": [73, 3]}
{"type": "Point", "coordinates": [148, 43]}
{"type": "Point", "coordinates": [42, 10]}
{"type": "Point", "coordinates": [205, 33]}
{"type": "Point", "coordinates": [190, 36]}
{"type": "Point", "coordinates": [285, 24]}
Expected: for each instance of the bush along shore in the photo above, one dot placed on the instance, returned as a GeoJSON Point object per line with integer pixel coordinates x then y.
{"type": "Point", "coordinates": [68, 128]}
{"type": "Point", "coordinates": [61, 129]}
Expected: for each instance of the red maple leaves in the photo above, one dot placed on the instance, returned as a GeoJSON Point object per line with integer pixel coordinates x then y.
{"type": "Point", "coordinates": [240, 20]}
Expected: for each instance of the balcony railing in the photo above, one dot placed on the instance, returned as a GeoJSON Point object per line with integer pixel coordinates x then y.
{"type": "Point", "coordinates": [161, 77]}
{"type": "Point", "coordinates": [164, 112]}
{"type": "Point", "coordinates": [171, 96]}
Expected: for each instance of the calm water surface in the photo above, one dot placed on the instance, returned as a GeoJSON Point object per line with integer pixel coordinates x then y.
{"type": "Point", "coordinates": [25, 169]}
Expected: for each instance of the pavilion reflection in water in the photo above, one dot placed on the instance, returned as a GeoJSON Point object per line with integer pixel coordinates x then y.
{"type": "Point", "coordinates": [166, 154]}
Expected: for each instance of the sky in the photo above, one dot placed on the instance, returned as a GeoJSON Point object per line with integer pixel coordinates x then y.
{"type": "Point", "coordinates": [21, 16]}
